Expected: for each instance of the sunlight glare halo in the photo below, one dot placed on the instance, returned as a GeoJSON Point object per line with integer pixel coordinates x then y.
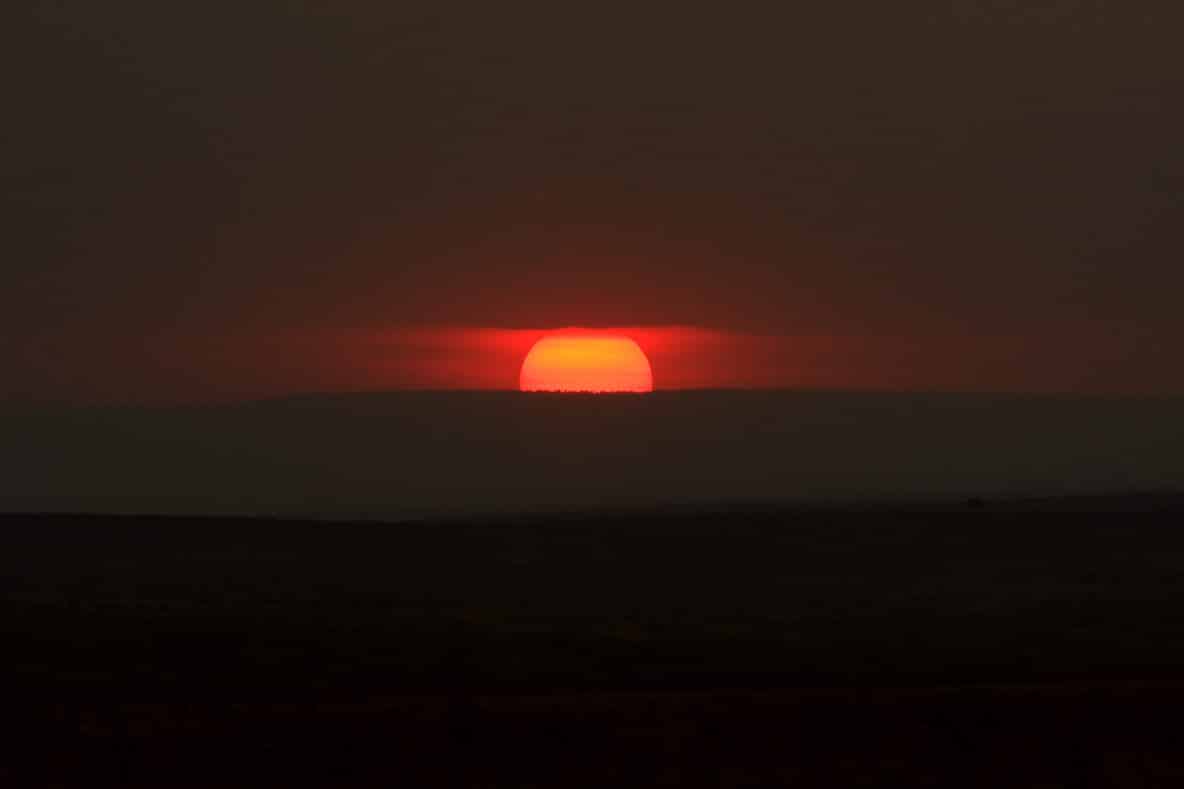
{"type": "Point", "coordinates": [574, 362]}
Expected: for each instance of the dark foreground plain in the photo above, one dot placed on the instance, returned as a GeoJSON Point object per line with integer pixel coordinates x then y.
{"type": "Point", "coordinates": [1035, 643]}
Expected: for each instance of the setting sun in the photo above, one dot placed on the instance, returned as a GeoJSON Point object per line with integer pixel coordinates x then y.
{"type": "Point", "coordinates": [579, 362]}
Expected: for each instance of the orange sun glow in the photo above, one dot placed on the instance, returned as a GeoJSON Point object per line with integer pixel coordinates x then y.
{"type": "Point", "coordinates": [579, 362]}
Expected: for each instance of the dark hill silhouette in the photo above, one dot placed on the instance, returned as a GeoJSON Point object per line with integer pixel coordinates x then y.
{"type": "Point", "coordinates": [425, 454]}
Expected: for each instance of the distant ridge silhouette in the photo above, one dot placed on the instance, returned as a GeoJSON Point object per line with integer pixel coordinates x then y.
{"type": "Point", "coordinates": [434, 454]}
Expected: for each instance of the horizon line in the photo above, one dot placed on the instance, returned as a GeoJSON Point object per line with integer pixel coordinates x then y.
{"type": "Point", "coordinates": [513, 391]}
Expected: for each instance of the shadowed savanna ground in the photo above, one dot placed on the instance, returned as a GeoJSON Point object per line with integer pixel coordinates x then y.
{"type": "Point", "coordinates": [1025, 644]}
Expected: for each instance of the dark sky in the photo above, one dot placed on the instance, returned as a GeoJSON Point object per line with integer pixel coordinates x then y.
{"type": "Point", "coordinates": [940, 182]}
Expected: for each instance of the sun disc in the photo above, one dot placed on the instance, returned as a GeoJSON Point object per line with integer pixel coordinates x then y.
{"type": "Point", "coordinates": [578, 362]}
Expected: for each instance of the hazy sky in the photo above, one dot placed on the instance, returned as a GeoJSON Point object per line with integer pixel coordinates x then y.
{"type": "Point", "coordinates": [961, 194]}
